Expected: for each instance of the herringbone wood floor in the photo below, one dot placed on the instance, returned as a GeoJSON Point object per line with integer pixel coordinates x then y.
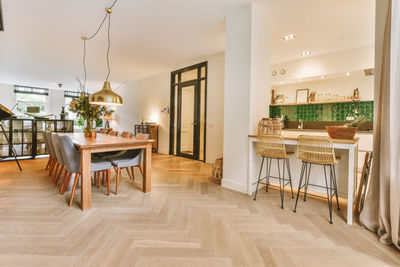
{"type": "Point", "coordinates": [187, 220]}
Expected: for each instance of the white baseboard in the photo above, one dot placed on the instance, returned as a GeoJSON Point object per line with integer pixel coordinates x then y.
{"type": "Point", "coordinates": [234, 186]}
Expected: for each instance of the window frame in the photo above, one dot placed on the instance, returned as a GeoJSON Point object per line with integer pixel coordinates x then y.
{"type": "Point", "coordinates": [30, 90]}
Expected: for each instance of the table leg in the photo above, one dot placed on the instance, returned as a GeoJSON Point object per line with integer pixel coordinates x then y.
{"type": "Point", "coordinates": [350, 186]}
{"type": "Point", "coordinates": [86, 187]}
{"type": "Point", "coordinates": [147, 168]}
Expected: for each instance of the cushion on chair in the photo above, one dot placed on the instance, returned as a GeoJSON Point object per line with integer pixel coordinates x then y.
{"type": "Point", "coordinates": [134, 159]}
{"type": "Point", "coordinates": [100, 165]}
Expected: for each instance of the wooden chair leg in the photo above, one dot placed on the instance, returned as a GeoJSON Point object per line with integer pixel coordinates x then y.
{"type": "Point", "coordinates": [73, 189]}
{"type": "Point", "coordinates": [52, 163]}
{"type": "Point", "coordinates": [59, 174]}
{"type": "Point", "coordinates": [127, 170]}
{"type": "Point", "coordinates": [63, 180]}
{"type": "Point", "coordinates": [117, 181]}
{"type": "Point", "coordinates": [133, 173]}
{"type": "Point", "coordinates": [98, 179]}
{"type": "Point", "coordinates": [141, 168]}
{"type": "Point", "coordinates": [66, 183]}
{"type": "Point", "coordinates": [55, 171]}
{"type": "Point", "coordinates": [108, 181]}
{"type": "Point", "coordinates": [48, 163]}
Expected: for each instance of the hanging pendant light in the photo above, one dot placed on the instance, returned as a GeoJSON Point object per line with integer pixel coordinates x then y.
{"type": "Point", "coordinates": [106, 96]}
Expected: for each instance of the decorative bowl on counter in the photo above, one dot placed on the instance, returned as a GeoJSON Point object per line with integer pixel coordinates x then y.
{"type": "Point", "coordinates": [341, 132]}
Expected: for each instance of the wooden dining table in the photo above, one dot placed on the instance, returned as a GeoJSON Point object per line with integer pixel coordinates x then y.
{"type": "Point", "coordinates": [106, 143]}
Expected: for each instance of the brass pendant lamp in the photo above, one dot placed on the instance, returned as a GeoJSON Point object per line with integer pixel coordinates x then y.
{"type": "Point", "coordinates": [105, 96]}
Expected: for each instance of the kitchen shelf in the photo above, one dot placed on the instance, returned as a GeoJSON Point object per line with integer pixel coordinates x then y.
{"type": "Point", "coordinates": [317, 102]}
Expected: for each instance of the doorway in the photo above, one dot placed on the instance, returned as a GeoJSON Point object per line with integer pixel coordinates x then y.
{"type": "Point", "coordinates": [188, 112]}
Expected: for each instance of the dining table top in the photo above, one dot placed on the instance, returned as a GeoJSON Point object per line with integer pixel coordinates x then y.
{"type": "Point", "coordinates": [295, 137]}
{"type": "Point", "coordinates": [104, 140]}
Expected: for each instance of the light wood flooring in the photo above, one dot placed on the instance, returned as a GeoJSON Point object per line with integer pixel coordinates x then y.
{"type": "Point", "coordinates": [187, 220]}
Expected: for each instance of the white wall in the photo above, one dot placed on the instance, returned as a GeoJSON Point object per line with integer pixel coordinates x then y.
{"type": "Point", "coordinates": [350, 60]}
{"type": "Point", "coordinates": [55, 102]}
{"type": "Point", "coordinates": [342, 86]}
{"type": "Point", "coordinates": [237, 97]}
{"type": "Point", "coordinates": [246, 88]}
{"type": "Point", "coordinates": [145, 98]}
{"type": "Point", "coordinates": [7, 98]}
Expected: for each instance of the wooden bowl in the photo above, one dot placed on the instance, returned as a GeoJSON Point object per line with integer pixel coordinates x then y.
{"type": "Point", "coordinates": [341, 132]}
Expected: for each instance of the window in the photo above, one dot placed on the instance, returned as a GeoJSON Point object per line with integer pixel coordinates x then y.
{"type": "Point", "coordinates": [30, 97]}
{"type": "Point", "coordinates": [68, 97]}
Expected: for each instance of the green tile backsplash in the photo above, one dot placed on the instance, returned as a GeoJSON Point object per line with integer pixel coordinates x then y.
{"type": "Point", "coordinates": [324, 112]}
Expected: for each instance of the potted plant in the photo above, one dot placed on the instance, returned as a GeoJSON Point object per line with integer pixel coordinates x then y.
{"type": "Point", "coordinates": [346, 131]}
{"type": "Point", "coordinates": [86, 111]}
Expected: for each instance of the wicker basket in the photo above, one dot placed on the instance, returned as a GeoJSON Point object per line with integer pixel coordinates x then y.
{"type": "Point", "coordinates": [341, 132]}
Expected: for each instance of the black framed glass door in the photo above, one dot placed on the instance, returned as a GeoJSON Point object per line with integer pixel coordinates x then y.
{"type": "Point", "coordinates": [188, 112]}
{"type": "Point", "coordinates": [188, 120]}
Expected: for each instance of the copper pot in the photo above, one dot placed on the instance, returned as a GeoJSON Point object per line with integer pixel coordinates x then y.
{"type": "Point", "coordinates": [341, 132]}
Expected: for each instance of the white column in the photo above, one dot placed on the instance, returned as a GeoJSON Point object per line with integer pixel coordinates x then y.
{"type": "Point", "coordinates": [246, 94]}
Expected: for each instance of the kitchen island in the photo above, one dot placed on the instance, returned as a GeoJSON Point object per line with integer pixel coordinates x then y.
{"type": "Point", "coordinates": [346, 168]}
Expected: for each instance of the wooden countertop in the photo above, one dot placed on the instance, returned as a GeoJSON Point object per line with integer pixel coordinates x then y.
{"type": "Point", "coordinates": [295, 137]}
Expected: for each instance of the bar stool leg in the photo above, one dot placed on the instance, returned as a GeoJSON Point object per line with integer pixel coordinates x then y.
{"type": "Point", "coordinates": [280, 181]}
{"type": "Point", "coordinates": [259, 177]}
{"type": "Point", "coordinates": [301, 180]}
{"type": "Point", "coordinates": [335, 184]}
{"type": "Point", "coordinates": [307, 180]}
{"type": "Point", "coordinates": [268, 173]}
{"type": "Point", "coordinates": [290, 176]}
{"type": "Point", "coordinates": [329, 197]}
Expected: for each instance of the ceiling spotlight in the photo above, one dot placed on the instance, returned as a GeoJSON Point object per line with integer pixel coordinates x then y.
{"type": "Point", "coordinates": [322, 77]}
{"type": "Point", "coordinates": [305, 53]}
{"type": "Point", "coordinates": [347, 73]}
{"type": "Point", "coordinates": [289, 36]}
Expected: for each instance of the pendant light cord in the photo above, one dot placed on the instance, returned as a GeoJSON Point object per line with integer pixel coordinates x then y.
{"type": "Point", "coordinates": [108, 47]}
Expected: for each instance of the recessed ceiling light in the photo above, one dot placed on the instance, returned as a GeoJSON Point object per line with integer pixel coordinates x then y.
{"type": "Point", "coordinates": [289, 36]}
{"type": "Point", "coordinates": [281, 82]}
{"type": "Point", "coordinates": [347, 73]}
{"type": "Point", "coordinates": [305, 53]}
{"type": "Point", "coordinates": [322, 77]}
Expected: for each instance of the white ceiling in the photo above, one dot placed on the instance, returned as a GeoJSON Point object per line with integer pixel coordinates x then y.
{"type": "Point", "coordinates": [321, 26]}
{"type": "Point", "coordinates": [41, 44]}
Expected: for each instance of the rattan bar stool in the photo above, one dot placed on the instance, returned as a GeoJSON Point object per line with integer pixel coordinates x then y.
{"type": "Point", "coordinates": [272, 146]}
{"type": "Point", "coordinates": [317, 150]}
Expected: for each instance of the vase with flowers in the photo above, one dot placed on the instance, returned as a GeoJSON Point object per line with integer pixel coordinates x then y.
{"type": "Point", "coordinates": [88, 112]}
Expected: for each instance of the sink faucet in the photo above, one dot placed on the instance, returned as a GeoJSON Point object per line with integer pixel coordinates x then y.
{"type": "Point", "coordinates": [300, 126]}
